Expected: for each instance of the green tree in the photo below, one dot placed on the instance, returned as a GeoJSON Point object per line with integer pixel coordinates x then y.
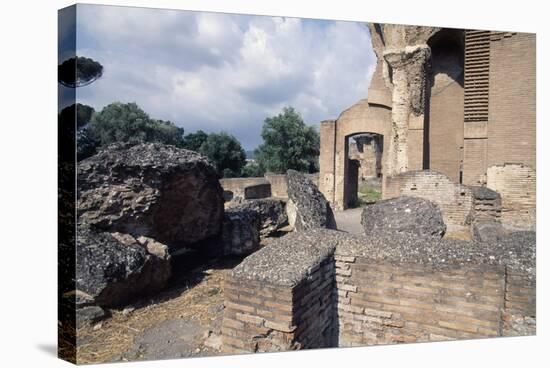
{"type": "Point", "coordinates": [252, 170]}
{"type": "Point", "coordinates": [288, 144]}
{"type": "Point", "coordinates": [79, 71]}
{"type": "Point", "coordinates": [83, 115]}
{"type": "Point", "coordinates": [225, 152]}
{"type": "Point", "coordinates": [119, 122]}
{"type": "Point", "coordinates": [194, 141]}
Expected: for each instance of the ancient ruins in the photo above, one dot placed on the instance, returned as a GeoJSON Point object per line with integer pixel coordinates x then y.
{"type": "Point", "coordinates": [448, 128]}
{"type": "Point", "coordinates": [449, 120]}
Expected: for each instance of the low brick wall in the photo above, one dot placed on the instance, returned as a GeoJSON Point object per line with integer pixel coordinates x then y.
{"type": "Point", "coordinates": [278, 185]}
{"type": "Point", "coordinates": [381, 303]}
{"type": "Point", "coordinates": [517, 186]}
{"type": "Point", "coordinates": [285, 308]}
{"type": "Point", "coordinates": [487, 204]}
{"type": "Point", "coordinates": [350, 290]}
{"type": "Point", "coordinates": [456, 201]}
{"type": "Point", "coordinates": [238, 186]}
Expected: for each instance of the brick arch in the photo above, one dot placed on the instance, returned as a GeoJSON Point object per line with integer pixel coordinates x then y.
{"type": "Point", "coordinates": [334, 166]}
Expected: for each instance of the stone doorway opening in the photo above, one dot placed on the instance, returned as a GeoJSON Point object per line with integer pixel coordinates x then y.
{"type": "Point", "coordinates": [364, 174]}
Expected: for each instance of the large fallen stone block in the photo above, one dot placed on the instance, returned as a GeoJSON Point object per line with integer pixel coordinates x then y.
{"type": "Point", "coordinates": [412, 215]}
{"type": "Point", "coordinates": [307, 208]}
{"type": "Point", "coordinates": [113, 268]}
{"type": "Point", "coordinates": [240, 232]}
{"type": "Point", "coordinates": [169, 194]}
{"type": "Point", "coordinates": [270, 212]}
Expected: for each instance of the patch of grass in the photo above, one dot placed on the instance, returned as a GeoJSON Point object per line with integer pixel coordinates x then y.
{"type": "Point", "coordinates": [368, 195]}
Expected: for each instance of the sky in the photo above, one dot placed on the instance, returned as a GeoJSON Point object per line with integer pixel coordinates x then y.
{"type": "Point", "coordinates": [223, 72]}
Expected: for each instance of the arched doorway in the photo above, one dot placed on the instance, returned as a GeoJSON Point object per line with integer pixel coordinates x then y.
{"type": "Point", "coordinates": [337, 179]}
{"type": "Point", "coordinates": [364, 168]}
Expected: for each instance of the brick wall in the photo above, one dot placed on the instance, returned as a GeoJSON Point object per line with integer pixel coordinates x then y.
{"type": "Point", "coordinates": [512, 99]}
{"type": "Point", "coordinates": [352, 291]}
{"type": "Point", "coordinates": [237, 185]}
{"type": "Point", "coordinates": [446, 131]}
{"type": "Point", "coordinates": [260, 317]}
{"type": "Point", "coordinates": [519, 316]}
{"type": "Point", "coordinates": [487, 204]}
{"type": "Point", "coordinates": [383, 303]}
{"type": "Point", "coordinates": [455, 200]}
{"type": "Point", "coordinates": [516, 184]}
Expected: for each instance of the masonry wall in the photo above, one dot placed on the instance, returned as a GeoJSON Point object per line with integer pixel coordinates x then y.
{"type": "Point", "coordinates": [512, 99]}
{"type": "Point", "coordinates": [260, 317]}
{"type": "Point", "coordinates": [519, 315]}
{"type": "Point", "coordinates": [516, 184]}
{"type": "Point", "coordinates": [446, 131]}
{"type": "Point", "coordinates": [383, 303]}
{"type": "Point", "coordinates": [455, 201]}
{"type": "Point", "coordinates": [237, 185]}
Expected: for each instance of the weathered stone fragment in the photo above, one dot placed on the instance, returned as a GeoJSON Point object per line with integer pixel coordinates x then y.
{"type": "Point", "coordinates": [113, 268]}
{"type": "Point", "coordinates": [270, 211]}
{"type": "Point", "coordinates": [159, 191]}
{"type": "Point", "coordinates": [89, 315]}
{"type": "Point", "coordinates": [411, 215]}
{"type": "Point", "coordinates": [240, 232]}
{"type": "Point", "coordinates": [307, 208]}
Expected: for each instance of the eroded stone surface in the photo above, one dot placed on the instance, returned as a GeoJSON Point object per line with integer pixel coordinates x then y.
{"type": "Point", "coordinates": [240, 232]}
{"type": "Point", "coordinates": [309, 208]}
{"type": "Point", "coordinates": [169, 194]}
{"type": "Point", "coordinates": [289, 259]}
{"type": "Point", "coordinates": [270, 211]}
{"type": "Point", "coordinates": [113, 269]}
{"type": "Point", "coordinates": [412, 215]}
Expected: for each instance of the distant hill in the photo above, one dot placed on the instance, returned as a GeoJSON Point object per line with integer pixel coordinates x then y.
{"type": "Point", "coordinates": [250, 155]}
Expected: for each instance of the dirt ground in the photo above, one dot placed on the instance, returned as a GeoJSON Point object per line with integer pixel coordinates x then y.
{"type": "Point", "coordinates": [182, 321]}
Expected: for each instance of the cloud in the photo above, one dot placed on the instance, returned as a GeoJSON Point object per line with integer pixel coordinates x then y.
{"type": "Point", "coordinates": [222, 71]}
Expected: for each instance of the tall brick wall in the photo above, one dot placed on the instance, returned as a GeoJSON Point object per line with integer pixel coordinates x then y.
{"type": "Point", "coordinates": [512, 99]}
{"type": "Point", "coordinates": [455, 200]}
{"type": "Point", "coordinates": [500, 102]}
{"type": "Point", "coordinates": [516, 184]}
{"type": "Point", "coordinates": [446, 130]}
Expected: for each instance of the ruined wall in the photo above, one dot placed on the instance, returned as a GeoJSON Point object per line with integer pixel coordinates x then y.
{"type": "Point", "coordinates": [446, 120]}
{"type": "Point", "coordinates": [360, 118]}
{"type": "Point", "coordinates": [327, 288]}
{"type": "Point", "coordinates": [274, 304]}
{"type": "Point", "coordinates": [500, 102]}
{"type": "Point", "coordinates": [512, 99]}
{"type": "Point", "coordinates": [368, 152]}
{"type": "Point", "coordinates": [487, 204]}
{"type": "Point", "coordinates": [382, 303]}
{"type": "Point", "coordinates": [455, 201]}
{"type": "Point", "coordinates": [271, 185]}
{"type": "Point", "coordinates": [519, 315]}
{"type": "Point", "coordinates": [327, 155]}
{"type": "Point", "coordinates": [385, 303]}
{"type": "Point", "coordinates": [516, 184]}
{"type": "Point", "coordinates": [237, 185]}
